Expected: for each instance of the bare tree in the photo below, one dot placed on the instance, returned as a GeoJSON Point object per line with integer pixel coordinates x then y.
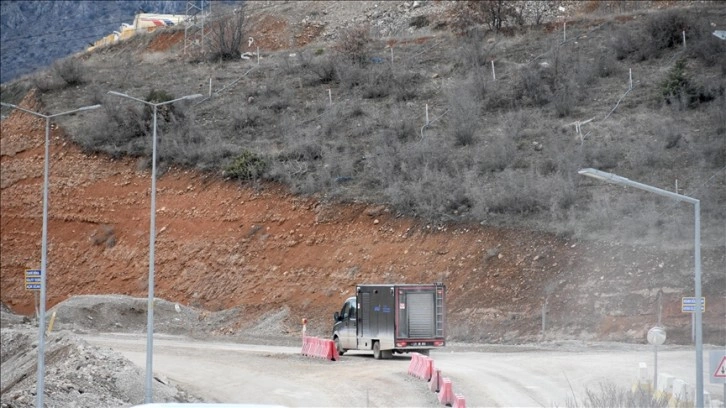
{"type": "Point", "coordinates": [226, 36]}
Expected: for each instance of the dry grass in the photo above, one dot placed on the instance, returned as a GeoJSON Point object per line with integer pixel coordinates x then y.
{"type": "Point", "coordinates": [503, 152]}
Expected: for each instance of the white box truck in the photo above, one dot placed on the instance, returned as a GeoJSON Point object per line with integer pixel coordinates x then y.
{"type": "Point", "coordinates": [392, 318]}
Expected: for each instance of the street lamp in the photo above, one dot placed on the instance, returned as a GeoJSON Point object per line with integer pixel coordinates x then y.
{"type": "Point", "coordinates": [152, 238]}
{"type": "Point", "coordinates": [614, 179]}
{"type": "Point", "coordinates": [44, 245]}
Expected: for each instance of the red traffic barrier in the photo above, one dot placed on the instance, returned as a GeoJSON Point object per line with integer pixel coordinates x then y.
{"type": "Point", "coordinates": [459, 401]}
{"type": "Point", "coordinates": [421, 366]}
{"type": "Point", "coordinates": [446, 393]}
{"type": "Point", "coordinates": [435, 384]}
{"type": "Point", "coordinates": [320, 348]}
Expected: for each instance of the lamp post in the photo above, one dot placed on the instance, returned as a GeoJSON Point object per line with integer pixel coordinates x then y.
{"type": "Point", "coordinates": [152, 238]}
{"type": "Point", "coordinates": [614, 179]}
{"type": "Point", "coordinates": [44, 245]}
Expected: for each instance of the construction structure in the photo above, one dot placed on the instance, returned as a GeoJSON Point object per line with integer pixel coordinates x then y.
{"type": "Point", "coordinates": [194, 32]}
{"type": "Point", "coordinates": [143, 22]}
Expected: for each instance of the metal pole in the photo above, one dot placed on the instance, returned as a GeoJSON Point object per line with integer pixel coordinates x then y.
{"type": "Point", "coordinates": [150, 301]}
{"type": "Point", "coordinates": [39, 393]}
{"type": "Point", "coordinates": [699, 321]}
{"type": "Point", "coordinates": [655, 368]}
{"type": "Point", "coordinates": [43, 268]}
{"type": "Point", "coordinates": [152, 238]}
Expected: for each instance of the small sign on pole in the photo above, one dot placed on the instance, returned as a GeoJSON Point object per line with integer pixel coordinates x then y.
{"type": "Point", "coordinates": [32, 279]}
{"type": "Point", "coordinates": [688, 304]}
{"type": "Point", "coordinates": [717, 360]}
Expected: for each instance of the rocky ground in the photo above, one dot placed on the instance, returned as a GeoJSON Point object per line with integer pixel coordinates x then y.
{"type": "Point", "coordinates": [77, 374]}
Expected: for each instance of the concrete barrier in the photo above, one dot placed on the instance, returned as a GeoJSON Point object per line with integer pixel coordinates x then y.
{"type": "Point", "coordinates": [421, 366]}
{"type": "Point", "coordinates": [320, 348]}
{"type": "Point", "coordinates": [643, 382]}
{"type": "Point", "coordinates": [459, 401]}
{"type": "Point", "coordinates": [665, 386]}
{"type": "Point", "coordinates": [446, 394]}
{"type": "Point", "coordinates": [680, 396]}
{"type": "Point", "coordinates": [435, 383]}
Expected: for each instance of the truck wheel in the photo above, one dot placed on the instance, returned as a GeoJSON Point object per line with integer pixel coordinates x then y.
{"type": "Point", "coordinates": [387, 354]}
{"type": "Point", "coordinates": [341, 350]}
{"type": "Point", "coordinates": [377, 350]}
{"type": "Point", "coordinates": [425, 352]}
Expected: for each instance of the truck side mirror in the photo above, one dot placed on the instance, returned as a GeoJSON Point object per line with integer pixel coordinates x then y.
{"type": "Point", "coordinates": [335, 316]}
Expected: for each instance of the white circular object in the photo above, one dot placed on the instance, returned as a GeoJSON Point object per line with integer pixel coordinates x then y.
{"type": "Point", "coordinates": [656, 336]}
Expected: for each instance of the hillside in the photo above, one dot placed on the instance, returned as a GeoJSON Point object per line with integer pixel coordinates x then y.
{"type": "Point", "coordinates": [357, 191]}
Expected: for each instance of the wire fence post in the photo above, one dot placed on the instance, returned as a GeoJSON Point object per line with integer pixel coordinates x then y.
{"type": "Point", "coordinates": [330, 96]}
{"type": "Point", "coordinates": [427, 114]}
{"type": "Point", "coordinates": [210, 87]}
{"type": "Point", "coordinates": [630, 82]}
{"type": "Point", "coordinates": [564, 31]}
{"type": "Point", "coordinates": [391, 55]}
{"type": "Point", "coordinates": [684, 38]}
{"type": "Point", "coordinates": [494, 75]}
{"type": "Point", "coordinates": [258, 55]}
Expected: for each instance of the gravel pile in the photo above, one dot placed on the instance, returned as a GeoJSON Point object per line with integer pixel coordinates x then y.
{"type": "Point", "coordinates": [82, 375]}
{"type": "Point", "coordinates": [77, 373]}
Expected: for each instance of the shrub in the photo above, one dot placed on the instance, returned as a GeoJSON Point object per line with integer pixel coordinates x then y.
{"type": "Point", "coordinates": [494, 13]}
{"type": "Point", "coordinates": [603, 156]}
{"type": "Point", "coordinates": [404, 85]}
{"type": "Point", "coordinates": [531, 87]}
{"type": "Point", "coordinates": [679, 89]}
{"type": "Point", "coordinates": [45, 82]}
{"type": "Point", "coordinates": [463, 114]}
{"type": "Point", "coordinates": [666, 29]}
{"type": "Point", "coordinates": [158, 96]}
{"type": "Point", "coordinates": [564, 99]}
{"type": "Point", "coordinates": [349, 74]}
{"type": "Point", "coordinates": [612, 396]}
{"type": "Point", "coordinates": [354, 44]}
{"type": "Point", "coordinates": [709, 49]}
{"type": "Point", "coordinates": [419, 21]}
{"type": "Point", "coordinates": [625, 43]}
{"type": "Point", "coordinates": [496, 153]}
{"type": "Point", "coordinates": [606, 64]}
{"type": "Point", "coordinates": [247, 119]}
{"type": "Point", "coordinates": [246, 166]}
{"type": "Point", "coordinates": [378, 83]}
{"type": "Point", "coordinates": [70, 70]}
{"type": "Point", "coordinates": [324, 69]}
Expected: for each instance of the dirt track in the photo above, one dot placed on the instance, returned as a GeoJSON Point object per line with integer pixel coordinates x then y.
{"type": "Point", "coordinates": [533, 377]}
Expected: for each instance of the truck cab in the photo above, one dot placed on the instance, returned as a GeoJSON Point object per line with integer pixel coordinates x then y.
{"type": "Point", "coordinates": [345, 325]}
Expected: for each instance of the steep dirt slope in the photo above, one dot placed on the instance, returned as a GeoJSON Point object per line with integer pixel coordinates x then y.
{"type": "Point", "coordinates": [258, 248]}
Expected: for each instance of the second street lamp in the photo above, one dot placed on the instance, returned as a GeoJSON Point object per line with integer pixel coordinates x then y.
{"type": "Point", "coordinates": [152, 237]}
{"type": "Point", "coordinates": [615, 179]}
{"type": "Point", "coordinates": [44, 245]}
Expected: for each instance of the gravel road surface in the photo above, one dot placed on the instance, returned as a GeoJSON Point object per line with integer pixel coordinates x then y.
{"type": "Point", "coordinates": [529, 376]}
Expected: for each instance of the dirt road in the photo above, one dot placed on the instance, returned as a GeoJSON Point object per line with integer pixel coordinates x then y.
{"type": "Point", "coordinates": [524, 377]}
